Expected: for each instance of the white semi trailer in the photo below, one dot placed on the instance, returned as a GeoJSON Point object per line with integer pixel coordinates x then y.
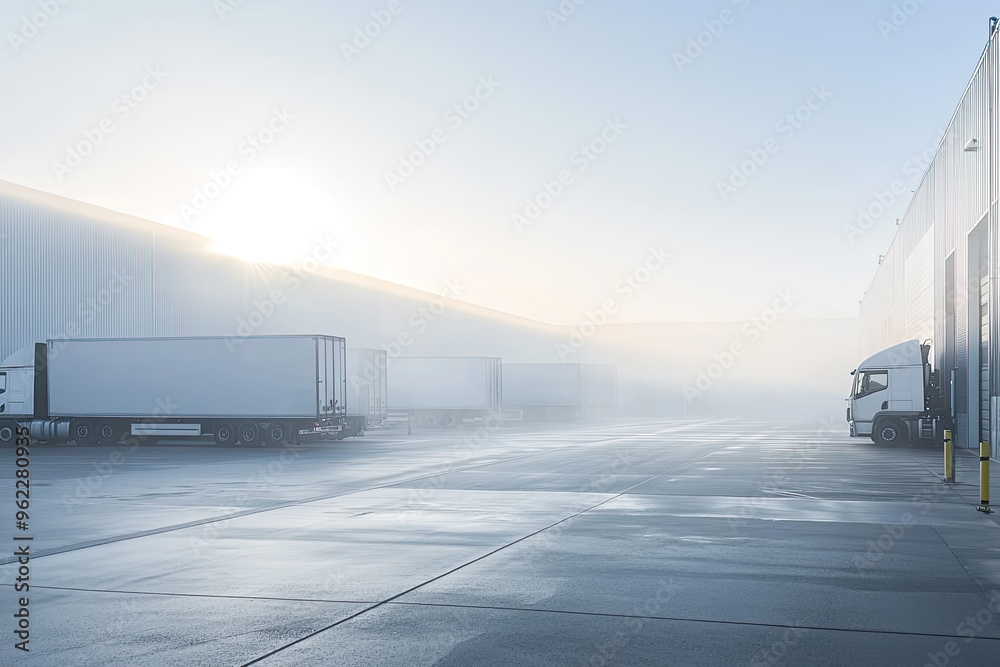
{"type": "Point", "coordinates": [249, 391]}
{"type": "Point", "coordinates": [897, 397]}
{"type": "Point", "coordinates": [560, 391]}
{"type": "Point", "coordinates": [366, 390]}
{"type": "Point", "coordinates": [446, 391]}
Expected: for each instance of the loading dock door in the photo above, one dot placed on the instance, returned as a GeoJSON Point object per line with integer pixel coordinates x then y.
{"type": "Point", "coordinates": [984, 358]}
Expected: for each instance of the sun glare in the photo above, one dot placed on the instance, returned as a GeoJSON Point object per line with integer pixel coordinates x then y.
{"type": "Point", "coordinates": [275, 215]}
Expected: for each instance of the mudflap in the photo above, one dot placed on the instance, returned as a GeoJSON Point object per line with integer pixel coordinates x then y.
{"type": "Point", "coordinates": [355, 426]}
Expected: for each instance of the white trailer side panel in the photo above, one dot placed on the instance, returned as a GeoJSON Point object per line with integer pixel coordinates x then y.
{"type": "Point", "coordinates": [600, 386]}
{"type": "Point", "coordinates": [542, 385]}
{"type": "Point", "coordinates": [445, 383]}
{"type": "Point", "coordinates": [560, 385]}
{"type": "Point", "coordinates": [366, 383]}
{"type": "Point", "coordinates": [280, 376]}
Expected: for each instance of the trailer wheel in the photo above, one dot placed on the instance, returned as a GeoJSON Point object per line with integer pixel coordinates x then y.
{"type": "Point", "coordinates": [432, 420]}
{"type": "Point", "coordinates": [107, 434]}
{"type": "Point", "coordinates": [83, 432]}
{"type": "Point", "coordinates": [8, 432]}
{"type": "Point", "coordinates": [224, 434]}
{"type": "Point", "coordinates": [249, 434]}
{"type": "Point", "coordinates": [449, 420]}
{"type": "Point", "coordinates": [889, 432]}
{"type": "Point", "coordinates": [276, 434]}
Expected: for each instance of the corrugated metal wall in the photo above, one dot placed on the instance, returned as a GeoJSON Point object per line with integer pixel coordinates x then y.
{"type": "Point", "coordinates": [96, 279]}
{"type": "Point", "coordinates": [91, 273]}
{"type": "Point", "coordinates": [949, 203]}
{"type": "Point", "coordinates": [71, 270]}
{"type": "Point", "coordinates": [918, 288]}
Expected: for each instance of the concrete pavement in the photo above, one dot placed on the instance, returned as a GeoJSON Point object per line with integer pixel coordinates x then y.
{"type": "Point", "coordinates": [660, 543]}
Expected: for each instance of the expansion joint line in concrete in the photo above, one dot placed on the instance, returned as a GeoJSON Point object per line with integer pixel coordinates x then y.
{"type": "Point", "coordinates": [475, 560]}
{"type": "Point", "coordinates": [293, 503]}
{"type": "Point", "coordinates": [684, 619]}
{"type": "Point", "coordinates": [533, 610]}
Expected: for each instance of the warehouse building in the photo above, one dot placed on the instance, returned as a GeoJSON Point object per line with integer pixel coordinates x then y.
{"type": "Point", "coordinates": [73, 270]}
{"type": "Point", "coordinates": [938, 280]}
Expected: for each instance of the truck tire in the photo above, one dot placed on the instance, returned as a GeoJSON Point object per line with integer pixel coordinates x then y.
{"type": "Point", "coordinates": [276, 434]}
{"type": "Point", "coordinates": [224, 434]}
{"type": "Point", "coordinates": [249, 434]}
{"type": "Point", "coordinates": [449, 420]}
{"type": "Point", "coordinates": [889, 432]}
{"type": "Point", "coordinates": [432, 420]}
{"type": "Point", "coordinates": [84, 432]}
{"type": "Point", "coordinates": [8, 432]}
{"type": "Point", "coordinates": [108, 433]}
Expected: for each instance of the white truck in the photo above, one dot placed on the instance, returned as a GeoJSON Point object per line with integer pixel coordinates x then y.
{"type": "Point", "coordinates": [896, 397]}
{"type": "Point", "coordinates": [258, 390]}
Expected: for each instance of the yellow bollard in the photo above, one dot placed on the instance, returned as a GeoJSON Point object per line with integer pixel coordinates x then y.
{"type": "Point", "coordinates": [949, 458]}
{"type": "Point", "coordinates": [984, 477]}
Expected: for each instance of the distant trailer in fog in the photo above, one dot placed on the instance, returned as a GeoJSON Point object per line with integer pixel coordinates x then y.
{"type": "Point", "coordinates": [367, 389]}
{"type": "Point", "coordinates": [446, 391]}
{"type": "Point", "coordinates": [561, 391]}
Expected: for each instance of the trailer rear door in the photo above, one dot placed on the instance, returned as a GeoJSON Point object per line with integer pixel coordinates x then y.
{"type": "Point", "coordinates": [331, 365]}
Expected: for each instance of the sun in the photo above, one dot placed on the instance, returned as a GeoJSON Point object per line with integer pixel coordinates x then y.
{"type": "Point", "coordinates": [274, 215]}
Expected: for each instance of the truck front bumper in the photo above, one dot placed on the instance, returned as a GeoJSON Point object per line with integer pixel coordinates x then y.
{"type": "Point", "coordinates": [860, 429]}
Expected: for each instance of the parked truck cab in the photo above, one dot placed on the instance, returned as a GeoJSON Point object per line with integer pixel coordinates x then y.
{"type": "Point", "coordinates": [896, 397]}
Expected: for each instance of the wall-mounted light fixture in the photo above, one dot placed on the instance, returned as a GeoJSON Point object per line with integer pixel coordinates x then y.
{"type": "Point", "coordinates": [972, 146]}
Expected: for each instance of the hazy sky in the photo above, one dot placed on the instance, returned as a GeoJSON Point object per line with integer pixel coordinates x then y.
{"type": "Point", "coordinates": [309, 129]}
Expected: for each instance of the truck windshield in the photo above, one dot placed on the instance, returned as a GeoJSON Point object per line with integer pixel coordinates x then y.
{"type": "Point", "coordinates": [870, 382]}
